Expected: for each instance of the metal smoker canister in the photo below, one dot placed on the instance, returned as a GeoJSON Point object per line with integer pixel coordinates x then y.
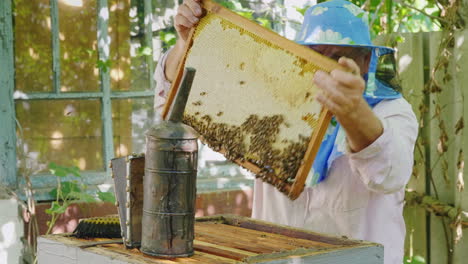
{"type": "Point", "coordinates": [169, 183]}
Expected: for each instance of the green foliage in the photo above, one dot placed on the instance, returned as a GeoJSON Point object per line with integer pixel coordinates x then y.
{"type": "Point", "coordinates": [385, 16]}
{"type": "Point", "coordinates": [103, 65]}
{"type": "Point", "coordinates": [401, 16]}
{"type": "Point", "coordinates": [263, 18]}
{"type": "Point", "coordinates": [106, 197]}
{"type": "Point", "coordinates": [414, 260]}
{"type": "Point", "coordinates": [399, 39]}
{"type": "Point", "coordinates": [55, 208]}
{"type": "Point", "coordinates": [168, 37]}
{"type": "Point", "coordinates": [70, 189]}
{"type": "Point", "coordinates": [233, 5]}
{"type": "Point", "coordinates": [264, 22]}
{"type": "Point", "coordinates": [61, 171]}
{"type": "Point", "coordinates": [302, 10]}
{"type": "Point", "coordinates": [144, 51]}
{"type": "Point", "coordinates": [246, 14]}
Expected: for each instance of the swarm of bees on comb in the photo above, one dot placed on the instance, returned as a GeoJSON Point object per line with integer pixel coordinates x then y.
{"type": "Point", "coordinates": [261, 133]}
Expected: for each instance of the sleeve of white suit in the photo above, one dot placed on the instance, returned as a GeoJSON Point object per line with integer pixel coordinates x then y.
{"type": "Point", "coordinates": [385, 166]}
{"type": "Point", "coordinates": [162, 84]}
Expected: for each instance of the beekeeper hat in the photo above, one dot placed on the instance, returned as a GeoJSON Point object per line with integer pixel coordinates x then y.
{"type": "Point", "coordinates": [341, 23]}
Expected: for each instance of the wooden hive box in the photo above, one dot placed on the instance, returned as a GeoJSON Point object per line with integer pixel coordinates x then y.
{"type": "Point", "coordinates": [253, 97]}
{"type": "Point", "coordinates": [224, 239]}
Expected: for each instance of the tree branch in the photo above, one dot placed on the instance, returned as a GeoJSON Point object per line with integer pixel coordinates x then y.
{"type": "Point", "coordinates": [432, 205]}
{"type": "Point", "coordinates": [440, 19]}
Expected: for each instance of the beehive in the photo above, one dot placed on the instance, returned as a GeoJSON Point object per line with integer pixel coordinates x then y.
{"type": "Point", "coordinates": [253, 97]}
{"type": "Point", "coordinates": [222, 239]}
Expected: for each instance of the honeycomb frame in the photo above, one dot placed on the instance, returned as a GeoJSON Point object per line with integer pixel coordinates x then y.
{"type": "Point", "coordinates": [296, 156]}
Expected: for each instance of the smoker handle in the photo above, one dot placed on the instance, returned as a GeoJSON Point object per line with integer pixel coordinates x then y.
{"type": "Point", "coordinates": [180, 101]}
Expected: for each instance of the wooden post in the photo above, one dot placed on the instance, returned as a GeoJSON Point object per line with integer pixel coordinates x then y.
{"type": "Point", "coordinates": [461, 79]}
{"type": "Point", "coordinates": [7, 105]}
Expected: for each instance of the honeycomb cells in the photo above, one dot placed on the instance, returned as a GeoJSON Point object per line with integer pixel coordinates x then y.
{"type": "Point", "coordinates": [244, 79]}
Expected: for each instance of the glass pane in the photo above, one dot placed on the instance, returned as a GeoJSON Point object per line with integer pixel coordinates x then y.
{"type": "Point", "coordinates": [33, 50]}
{"type": "Point", "coordinates": [139, 68]}
{"type": "Point", "coordinates": [163, 17]}
{"type": "Point", "coordinates": [67, 132]}
{"type": "Point", "coordinates": [78, 45]}
{"type": "Point", "coordinates": [119, 32]}
{"type": "Point", "coordinates": [131, 119]}
{"type": "Point", "coordinates": [163, 13]}
{"type": "Point", "coordinates": [129, 70]}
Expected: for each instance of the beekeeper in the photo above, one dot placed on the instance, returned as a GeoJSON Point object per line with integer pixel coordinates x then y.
{"type": "Point", "coordinates": [357, 183]}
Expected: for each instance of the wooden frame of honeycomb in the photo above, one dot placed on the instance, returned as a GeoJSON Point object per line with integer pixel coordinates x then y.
{"type": "Point", "coordinates": [252, 98]}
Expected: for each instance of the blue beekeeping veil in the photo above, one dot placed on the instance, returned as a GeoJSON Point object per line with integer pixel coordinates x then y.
{"type": "Point", "coordinates": [341, 23]}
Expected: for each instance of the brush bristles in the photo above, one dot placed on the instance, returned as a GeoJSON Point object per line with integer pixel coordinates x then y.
{"type": "Point", "coordinates": [105, 227]}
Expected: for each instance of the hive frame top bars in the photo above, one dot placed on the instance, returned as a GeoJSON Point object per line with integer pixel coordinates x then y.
{"type": "Point", "coordinates": [293, 188]}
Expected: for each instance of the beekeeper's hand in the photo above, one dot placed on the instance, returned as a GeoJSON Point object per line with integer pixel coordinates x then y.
{"type": "Point", "coordinates": [341, 93]}
{"type": "Point", "coordinates": [188, 15]}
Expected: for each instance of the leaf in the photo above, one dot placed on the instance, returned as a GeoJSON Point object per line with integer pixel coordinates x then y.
{"type": "Point", "coordinates": [418, 260]}
{"type": "Point", "coordinates": [82, 197]}
{"type": "Point", "coordinates": [103, 65]}
{"type": "Point", "coordinates": [246, 14]}
{"type": "Point", "coordinates": [399, 39]}
{"type": "Point", "coordinates": [106, 197]}
{"type": "Point", "coordinates": [56, 208]}
{"type": "Point", "coordinates": [69, 187]}
{"type": "Point", "coordinates": [52, 165]}
{"type": "Point", "coordinates": [90, 52]}
{"type": "Point", "coordinates": [228, 4]}
{"type": "Point", "coordinates": [53, 193]}
{"type": "Point", "coordinates": [302, 10]}
{"type": "Point", "coordinates": [167, 37]}
{"type": "Point", "coordinates": [59, 172]}
{"type": "Point", "coordinates": [236, 5]}
{"type": "Point", "coordinates": [414, 260]}
{"type": "Point", "coordinates": [144, 51]}
{"type": "Point", "coordinates": [73, 170]}
{"type": "Point", "coordinates": [264, 22]}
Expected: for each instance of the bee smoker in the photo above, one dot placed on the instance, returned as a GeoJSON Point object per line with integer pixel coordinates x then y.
{"type": "Point", "coordinates": [169, 184]}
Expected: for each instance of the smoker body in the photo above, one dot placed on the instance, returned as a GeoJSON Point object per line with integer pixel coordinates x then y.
{"type": "Point", "coordinates": [169, 185]}
{"type": "Point", "coordinates": [169, 191]}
